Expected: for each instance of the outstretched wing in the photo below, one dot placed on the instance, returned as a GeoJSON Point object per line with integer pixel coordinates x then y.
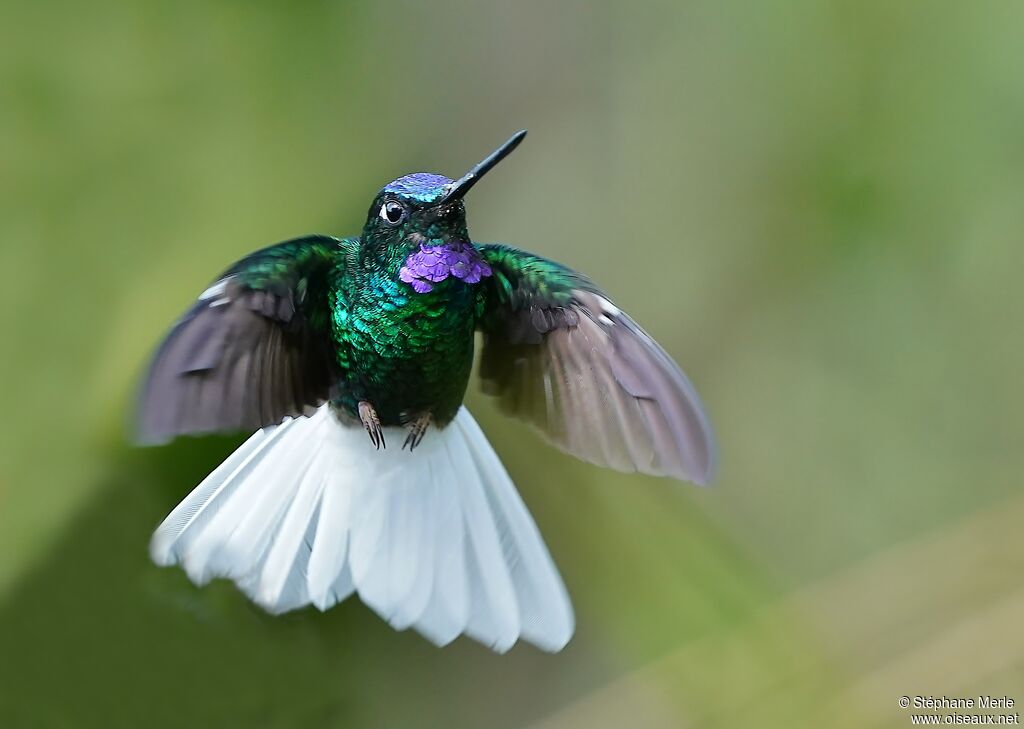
{"type": "Point", "coordinates": [560, 355]}
{"type": "Point", "coordinates": [252, 350]}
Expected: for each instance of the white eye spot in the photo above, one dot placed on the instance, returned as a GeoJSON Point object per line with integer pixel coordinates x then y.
{"type": "Point", "coordinates": [392, 212]}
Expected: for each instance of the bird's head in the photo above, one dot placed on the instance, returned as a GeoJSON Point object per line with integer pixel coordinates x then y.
{"type": "Point", "coordinates": [418, 223]}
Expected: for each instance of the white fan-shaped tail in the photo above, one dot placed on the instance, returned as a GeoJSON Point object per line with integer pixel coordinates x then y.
{"type": "Point", "coordinates": [309, 511]}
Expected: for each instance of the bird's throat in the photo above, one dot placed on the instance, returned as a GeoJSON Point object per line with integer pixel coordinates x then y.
{"type": "Point", "coordinates": [434, 262]}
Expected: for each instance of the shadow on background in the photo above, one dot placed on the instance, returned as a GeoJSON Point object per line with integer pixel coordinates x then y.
{"type": "Point", "coordinates": [99, 637]}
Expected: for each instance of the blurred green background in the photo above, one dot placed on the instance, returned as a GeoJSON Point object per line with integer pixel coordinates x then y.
{"type": "Point", "coordinates": [816, 207]}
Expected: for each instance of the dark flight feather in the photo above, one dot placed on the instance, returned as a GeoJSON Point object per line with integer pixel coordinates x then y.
{"type": "Point", "coordinates": [558, 354]}
{"type": "Point", "coordinates": [252, 350]}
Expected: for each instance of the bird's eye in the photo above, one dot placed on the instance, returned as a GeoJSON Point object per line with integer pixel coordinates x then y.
{"type": "Point", "coordinates": [392, 212]}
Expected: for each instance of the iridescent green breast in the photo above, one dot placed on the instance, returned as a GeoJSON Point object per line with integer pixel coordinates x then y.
{"type": "Point", "coordinates": [404, 352]}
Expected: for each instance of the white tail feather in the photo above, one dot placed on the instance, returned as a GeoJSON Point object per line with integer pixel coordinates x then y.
{"type": "Point", "coordinates": [308, 512]}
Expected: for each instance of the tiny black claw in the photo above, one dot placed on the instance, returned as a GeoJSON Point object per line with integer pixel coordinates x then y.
{"type": "Point", "coordinates": [370, 421]}
{"type": "Point", "coordinates": [417, 429]}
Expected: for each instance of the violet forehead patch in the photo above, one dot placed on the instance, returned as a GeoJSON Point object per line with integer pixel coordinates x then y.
{"type": "Point", "coordinates": [421, 186]}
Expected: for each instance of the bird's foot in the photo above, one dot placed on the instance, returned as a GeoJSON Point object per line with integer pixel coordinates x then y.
{"type": "Point", "coordinates": [368, 417]}
{"type": "Point", "coordinates": [417, 429]}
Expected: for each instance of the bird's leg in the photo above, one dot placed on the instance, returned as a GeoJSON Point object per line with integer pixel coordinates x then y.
{"type": "Point", "coordinates": [417, 429]}
{"type": "Point", "coordinates": [368, 417]}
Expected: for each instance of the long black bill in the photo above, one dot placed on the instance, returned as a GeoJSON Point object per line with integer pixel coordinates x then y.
{"type": "Point", "coordinates": [462, 185]}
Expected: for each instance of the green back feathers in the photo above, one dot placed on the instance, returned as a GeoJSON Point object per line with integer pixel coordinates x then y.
{"type": "Point", "coordinates": [302, 270]}
{"type": "Point", "coordinates": [521, 282]}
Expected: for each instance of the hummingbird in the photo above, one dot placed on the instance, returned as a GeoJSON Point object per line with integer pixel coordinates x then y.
{"type": "Point", "coordinates": [337, 350]}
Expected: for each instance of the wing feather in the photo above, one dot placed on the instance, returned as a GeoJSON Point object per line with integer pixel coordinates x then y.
{"type": "Point", "coordinates": [252, 350]}
{"type": "Point", "coordinates": [558, 354]}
